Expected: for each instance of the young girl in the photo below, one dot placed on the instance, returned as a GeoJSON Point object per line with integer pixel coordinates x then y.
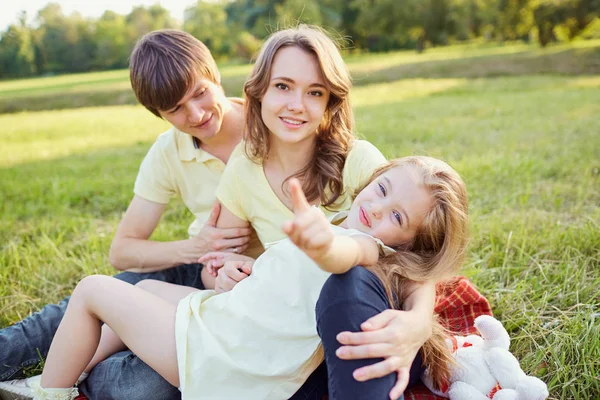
{"type": "Point", "coordinates": [349, 299]}
{"type": "Point", "coordinates": [259, 341]}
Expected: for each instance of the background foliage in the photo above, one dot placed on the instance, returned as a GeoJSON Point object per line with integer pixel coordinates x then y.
{"type": "Point", "coordinates": [56, 43]}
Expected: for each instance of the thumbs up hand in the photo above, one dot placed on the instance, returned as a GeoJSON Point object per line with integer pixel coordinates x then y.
{"type": "Point", "coordinates": [309, 230]}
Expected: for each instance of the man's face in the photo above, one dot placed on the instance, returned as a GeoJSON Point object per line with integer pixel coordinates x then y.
{"type": "Point", "coordinates": [200, 112]}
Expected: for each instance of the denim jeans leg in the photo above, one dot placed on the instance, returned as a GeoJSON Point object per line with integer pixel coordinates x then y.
{"type": "Point", "coordinates": [346, 301]}
{"type": "Point", "coordinates": [124, 376]}
{"type": "Point", "coordinates": [185, 275]}
{"type": "Point", "coordinates": [26, 343]}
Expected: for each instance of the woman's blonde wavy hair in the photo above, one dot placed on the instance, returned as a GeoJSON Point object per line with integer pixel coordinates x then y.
{"type": "Point", "coordinates": [322, 176]}
{"type": "Point", "coordinates": [436, 251]}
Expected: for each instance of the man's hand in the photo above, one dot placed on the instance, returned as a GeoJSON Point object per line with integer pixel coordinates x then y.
{"type": "Point", "coordinates": [309, 230]}
{"type": "Point", "coordinates": [215, 260]}
{"type": "Point", "coordinates": [394, 335]}
{"type": "Point", "coordinates": [231, 274]}
{"type": "Point", "coordinates": [210, 238]}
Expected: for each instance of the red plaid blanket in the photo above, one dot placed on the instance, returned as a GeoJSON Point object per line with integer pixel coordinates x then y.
{"type": "Point", "coordinates": [458, 304]}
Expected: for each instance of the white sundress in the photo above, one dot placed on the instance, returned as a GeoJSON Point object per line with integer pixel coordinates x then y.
{"type": "Point", "coordinates": [259, 340]}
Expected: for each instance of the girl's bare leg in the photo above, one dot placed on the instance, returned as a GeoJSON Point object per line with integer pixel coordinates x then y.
{"type": "Point", "coordinates": [144, 321]}
{"type": "Point", "coordinates": [110, 343]}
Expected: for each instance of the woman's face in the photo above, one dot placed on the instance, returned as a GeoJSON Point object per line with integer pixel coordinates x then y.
{"type": "Point", "coordinates": [296, 99]}
{"type": "Point", "coordinates": [392, 207]}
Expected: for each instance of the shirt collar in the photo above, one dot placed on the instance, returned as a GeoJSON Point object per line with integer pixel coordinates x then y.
{"type": "Point", "coordinates": [190, 150]}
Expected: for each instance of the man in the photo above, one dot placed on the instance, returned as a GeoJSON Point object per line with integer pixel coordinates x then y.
{"type": "Point", "coordinates": [176, 78]}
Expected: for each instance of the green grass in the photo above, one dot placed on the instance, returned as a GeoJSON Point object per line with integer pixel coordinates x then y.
{"type": "Point", "coordinates": [475, 60]}
{"type": "Point", "coordinates": [527, 146]}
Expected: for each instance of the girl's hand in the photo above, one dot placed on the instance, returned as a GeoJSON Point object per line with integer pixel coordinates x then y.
{"type": "Point", "coordinates": [394, 335]}
{"type": "Point", "coordinates": [215, 260]}
{"type": "Point", "coordinates": [232, 273]}
{"type": "Point", "coordinates": [309, 230]}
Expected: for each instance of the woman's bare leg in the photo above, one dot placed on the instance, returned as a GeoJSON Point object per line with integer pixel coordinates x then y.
{"type": "Point", "coordinates": [144, 321]}
{"type": "Point", "coordinates": [110, 343]}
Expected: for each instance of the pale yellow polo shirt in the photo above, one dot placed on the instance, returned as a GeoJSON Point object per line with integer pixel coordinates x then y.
{"type": "Point", "coordinates": [176, 167]}
{"type": "Point", "coordinates": [245, 191]}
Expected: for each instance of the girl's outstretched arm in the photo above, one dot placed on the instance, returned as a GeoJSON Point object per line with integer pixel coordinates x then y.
{"type": "Point", "coordinates": [311, 232]}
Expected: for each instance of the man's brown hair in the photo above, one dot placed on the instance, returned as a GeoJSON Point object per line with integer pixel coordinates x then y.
{"type": "Point", "coordinates": [165, 64]}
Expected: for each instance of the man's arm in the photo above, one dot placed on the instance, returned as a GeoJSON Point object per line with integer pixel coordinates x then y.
{"type": "Point", "coordinates": [132, 251]}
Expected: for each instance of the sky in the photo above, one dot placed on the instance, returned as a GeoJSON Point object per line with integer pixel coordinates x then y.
{"type": "Point", "coordinates": [9, 9]}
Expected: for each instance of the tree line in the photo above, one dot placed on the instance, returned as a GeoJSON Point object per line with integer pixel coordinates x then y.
{"type": "Point", "coordinates": [57, 43]}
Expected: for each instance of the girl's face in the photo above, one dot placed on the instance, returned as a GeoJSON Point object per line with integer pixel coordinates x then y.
{"type": "Point", "coordinates": [392, 207]}
{"type": "Point", "coordinates": [296, 99]}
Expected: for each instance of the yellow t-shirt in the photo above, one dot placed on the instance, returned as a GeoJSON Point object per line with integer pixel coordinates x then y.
{"type": "Point", "coordinates": [175, 166]}
{"type": "Point", "coordinates": [245, 191]}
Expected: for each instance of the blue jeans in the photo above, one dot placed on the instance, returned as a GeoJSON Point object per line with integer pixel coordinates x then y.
{"type": "Point", "coordinates": [121, 376]}
{"type": "Point", "coordinates": [346, 301]}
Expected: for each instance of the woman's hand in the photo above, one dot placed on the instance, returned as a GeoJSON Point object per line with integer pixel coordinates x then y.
{"type": "Point", "coordinates": [232, 273]}
{"type": "Point", "coordinates": [394, 335]}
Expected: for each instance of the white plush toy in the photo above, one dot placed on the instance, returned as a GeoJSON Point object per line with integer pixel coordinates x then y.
{"type": "Point", "coordinates": [485, 369]}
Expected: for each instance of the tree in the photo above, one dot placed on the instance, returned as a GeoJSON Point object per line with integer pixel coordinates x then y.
{"type": "Point", "coordinates": [293, 12]}
{"type": "Point", "coordinates": [17, 55]}
{"type": "Point", "coordinates": [142, 20]}
{"type": "Point", "coordinates": [208, 22]}
{"type": "Point", "coordinates": [389, 22]}
{"type": "Point", "coordinates": [112, 41]}
{"type": "Point", "coordinates": [51, 39]}
{"type": "Point", "coordinates": [515, 19]}
{"type": "Point", "coordinates": [482, 17]}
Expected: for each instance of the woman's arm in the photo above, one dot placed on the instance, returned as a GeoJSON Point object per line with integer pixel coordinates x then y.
{"type": "Point", "coordinates": [311, 232]}
{"type": "Point", "coordinates": [227, 219]}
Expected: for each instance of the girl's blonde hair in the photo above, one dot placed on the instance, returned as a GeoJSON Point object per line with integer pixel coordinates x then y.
{"type": "Point", "coordinates": [322, 177]}
{"type": "Point", "coordinates": [436, 252]}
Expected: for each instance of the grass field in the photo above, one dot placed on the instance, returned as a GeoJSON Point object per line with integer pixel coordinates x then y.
{"type": "Point", "coordinates": [476, 60]}
{"type": "Point", "coordinates": [520, 124]}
